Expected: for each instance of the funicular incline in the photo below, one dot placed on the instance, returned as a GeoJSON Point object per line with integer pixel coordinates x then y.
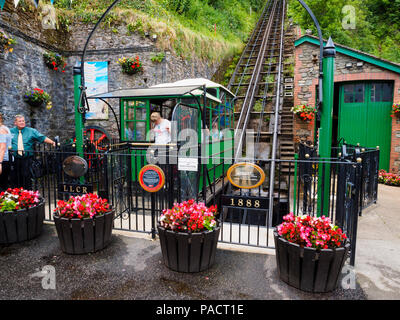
{"type": "Point", "coordinates": [262, 112]}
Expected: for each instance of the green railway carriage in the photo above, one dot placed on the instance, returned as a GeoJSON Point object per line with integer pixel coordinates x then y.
{"type": "Point", "coordinates": [205, 107]}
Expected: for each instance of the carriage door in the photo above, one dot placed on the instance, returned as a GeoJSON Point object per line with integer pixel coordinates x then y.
{"type": "Point", "coordinates": [364, 116]}
{"type": "Point", "coordinates": [185, 118]}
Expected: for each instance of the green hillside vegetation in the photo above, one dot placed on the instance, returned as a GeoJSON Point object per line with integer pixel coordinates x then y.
{"type": "Point", "coordinates": [377, 24]}
{"type": "Point", "coordinates": [209, 29]}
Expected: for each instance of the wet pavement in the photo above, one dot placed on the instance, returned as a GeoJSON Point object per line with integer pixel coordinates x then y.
{"type": "Point", "coordinates": [132, 268]}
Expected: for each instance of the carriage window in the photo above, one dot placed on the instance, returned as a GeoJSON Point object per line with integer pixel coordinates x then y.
{"type": "Point", "coordinates": [140, 131]}
{"type": "Point", "coordinates": [381, 92]}
{"type": "Point", "coordinates": [135, 120]}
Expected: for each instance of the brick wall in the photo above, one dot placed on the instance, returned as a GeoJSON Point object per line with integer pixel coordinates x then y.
{"type": "Point", "coordinates": [306, 80]}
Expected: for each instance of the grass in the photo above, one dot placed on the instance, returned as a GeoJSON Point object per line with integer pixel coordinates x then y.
{"type": "Point", "coordinates": [211, 30]}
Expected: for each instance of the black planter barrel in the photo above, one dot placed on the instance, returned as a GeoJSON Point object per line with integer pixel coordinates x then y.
{"type": "Point", "coordinates": [308, 269]}
{"type": "Point", "coordinates": [80, 236]}
{"type": "Point", "coordinates": [188, 252]}
{"type": "Point", "coordinates": [21, 225]}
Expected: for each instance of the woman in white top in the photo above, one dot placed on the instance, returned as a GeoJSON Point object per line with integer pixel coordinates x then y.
{"type": "Point", "coordinates": [5, 144]}
{"type": "Point", "coordinates": [162, 128]}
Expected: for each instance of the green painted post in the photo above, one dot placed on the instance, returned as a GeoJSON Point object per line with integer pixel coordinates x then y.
{"type": "Point", "coordinates": [325, 130]}
{"type": "Point", "coordinates": [78, 115]}
{"type": "Point", "coordinates": [296, 157]}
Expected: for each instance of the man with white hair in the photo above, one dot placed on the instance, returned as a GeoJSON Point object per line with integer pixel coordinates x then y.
{"type": "Point", "coordinates": [23, 139]}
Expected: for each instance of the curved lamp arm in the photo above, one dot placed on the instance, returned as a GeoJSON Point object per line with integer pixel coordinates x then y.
{"type": "Point", "coordinates": [321, 50]}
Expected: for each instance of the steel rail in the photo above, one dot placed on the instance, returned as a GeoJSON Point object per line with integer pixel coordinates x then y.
{"type": "Point", "coordinates": [275, 136]}
{"type": "Point", "coordinates": [258, 27]}
{"type": "Point", "coordinates": [266, 88]}
{"type": "Point", "coordinates": [251, 91]}
{"type": "Point", "coordinates": [252, 43]}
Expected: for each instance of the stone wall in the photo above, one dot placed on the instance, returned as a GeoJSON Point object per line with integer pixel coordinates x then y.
{"type": "Point", "coordinates": [306, 81]}
{"type": "Point", "coordinates": [24, 69]}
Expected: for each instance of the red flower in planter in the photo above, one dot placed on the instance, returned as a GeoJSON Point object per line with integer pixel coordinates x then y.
{"type": "Point", "coordinates": [86, 206]}
{"type": "Point", "coordinates": [313, 232]}
{"type": "Point", "coordinates": [304, 111]}
{"type": "Point", "coordinates": [189, 216]}
{"type": "Point", "coordinates": [18, 198]}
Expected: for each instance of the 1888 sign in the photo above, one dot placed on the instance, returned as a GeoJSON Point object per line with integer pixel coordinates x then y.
{"type": "Point", "coordinates": [244, 202]}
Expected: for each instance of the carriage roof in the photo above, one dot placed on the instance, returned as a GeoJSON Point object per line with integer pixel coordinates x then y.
{"type": "Point", "coordinates": [184, 88]}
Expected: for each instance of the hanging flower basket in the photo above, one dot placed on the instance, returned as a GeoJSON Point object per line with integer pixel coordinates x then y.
{"type": "Point", "coordinates": [310, 253]}
{"type": "Point", "coordinates": [6, 42]}
{"type": "Point", "coordinates": [54, 61]}
{"type": "Point", "coordinates": [131, 65]}
{"type": "Point", "coordinates": [21, 215]}
{"type": "Point", "coordinates": [188, 236]}
{"type": "Point", "coordinates": [84, 224]}
{"type": "Point", "coordinates": [37, 97]}
{"type": "Point", "coordinates": [395, 110]}
{"type": "Point", "coordinates": [304, 112]}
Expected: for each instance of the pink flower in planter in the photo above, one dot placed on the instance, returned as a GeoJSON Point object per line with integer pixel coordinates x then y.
{"type": "Point", "coordinates": [307, 231]}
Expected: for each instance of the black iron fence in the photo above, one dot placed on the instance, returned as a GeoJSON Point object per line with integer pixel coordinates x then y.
{"type": "Point", "coordinates": [246, 216]}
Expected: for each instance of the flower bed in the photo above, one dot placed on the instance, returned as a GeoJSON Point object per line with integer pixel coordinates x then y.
{"type": "Point", "coordinates": [84, 224]}
{"type": "Point", "coordinates": [389, 179]}
{"type": "Point", "coordinates": [130, 65]}
{"type": "Point", "coordinates": [21, 215]}
{"type": "Point", "coordinates": [304, 111]}
{"type": "Point", "coordinates": [188, 236]}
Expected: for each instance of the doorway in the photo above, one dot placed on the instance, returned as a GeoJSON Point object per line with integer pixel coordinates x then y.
{"type": "Point", "coordinates": [363, 116]}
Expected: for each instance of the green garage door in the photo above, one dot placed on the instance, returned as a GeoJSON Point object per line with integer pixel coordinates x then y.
{"type": "Point", "coordinates": [364, 116]}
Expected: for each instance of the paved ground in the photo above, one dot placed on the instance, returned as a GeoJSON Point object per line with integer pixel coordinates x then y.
{"type": "Point", "coordinates": [132, 268]}
{"type": "Point", "coordinates": [378, 246]}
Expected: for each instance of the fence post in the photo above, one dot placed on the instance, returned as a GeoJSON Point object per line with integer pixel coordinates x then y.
{"type": "Point", "coordinates": [296, 157]}
{"type": "Point", "coordinates": [153, 215]}
{"type": "Point", "coordinates": [356, 206]}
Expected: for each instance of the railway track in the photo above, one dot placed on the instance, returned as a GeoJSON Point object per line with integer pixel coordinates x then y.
{"type": "Point", "coordinates": [259, 81]}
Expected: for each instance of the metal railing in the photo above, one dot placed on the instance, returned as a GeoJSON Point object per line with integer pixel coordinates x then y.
{"type": "Point", "coordinates": [247, 218]}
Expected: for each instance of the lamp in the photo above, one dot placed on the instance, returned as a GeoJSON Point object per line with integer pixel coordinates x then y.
{"type": "Point", "coordinates": [360, 64]}
{"type": "Point", "coordinates": [349, 65]}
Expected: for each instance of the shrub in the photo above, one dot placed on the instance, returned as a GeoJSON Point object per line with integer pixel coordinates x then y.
{"type": "Point", "coordinates": [389, 179]}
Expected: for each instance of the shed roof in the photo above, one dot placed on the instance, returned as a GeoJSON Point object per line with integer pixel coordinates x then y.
{"type": "Point", "coordinates": [366, 57]}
